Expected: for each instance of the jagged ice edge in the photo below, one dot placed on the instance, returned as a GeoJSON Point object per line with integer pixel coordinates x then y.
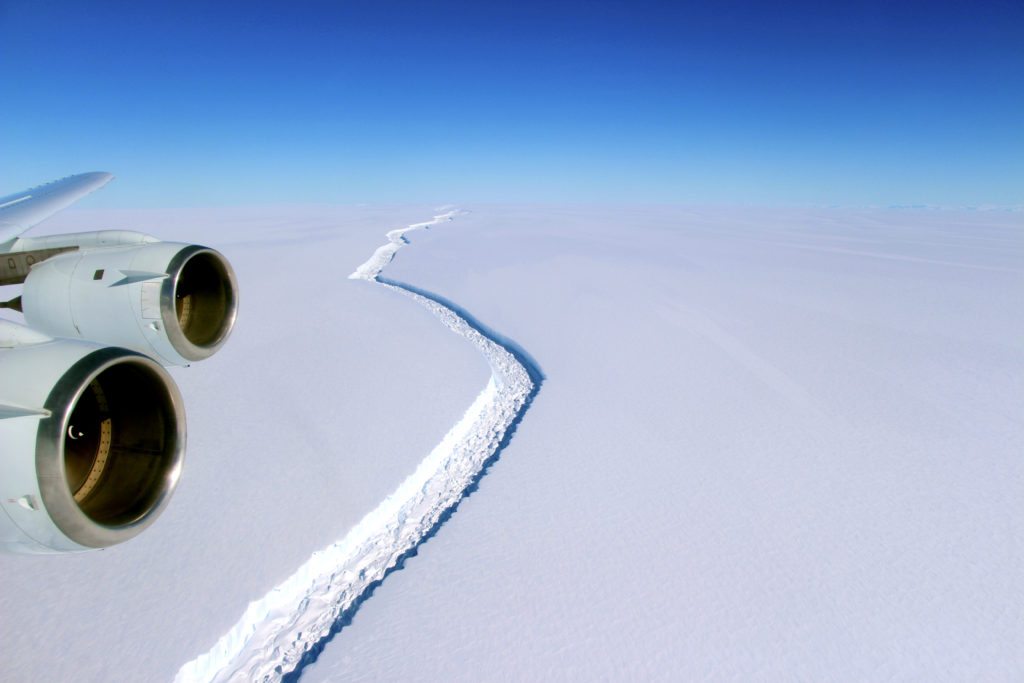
{"type": "Point", "coordinates": [276, 630]}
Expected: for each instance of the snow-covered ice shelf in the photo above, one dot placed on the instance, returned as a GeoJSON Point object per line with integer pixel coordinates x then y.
{"type": "Point", "coordinates": [780, 444]}
{"type": "Point", "coordinates": [279, 629]}
{"type": "Point", "coordinates": [759, 457]}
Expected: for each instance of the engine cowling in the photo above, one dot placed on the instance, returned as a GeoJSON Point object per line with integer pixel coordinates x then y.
{"type": "Point", "coordinates": [177, 302]}
{"type": "Point", "coordinates": [93, 442]}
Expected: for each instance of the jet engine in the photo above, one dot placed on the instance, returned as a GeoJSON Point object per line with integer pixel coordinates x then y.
{"type": "Point", "coordinates": [176, 302]}
{"type": "Point", "coordinates": [92, 428]}
{"type": "Point", "coordinates": [92, 439]}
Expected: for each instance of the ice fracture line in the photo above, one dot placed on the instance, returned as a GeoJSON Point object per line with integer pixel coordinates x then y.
{"type": "Point", "coordinates": [277, 630]}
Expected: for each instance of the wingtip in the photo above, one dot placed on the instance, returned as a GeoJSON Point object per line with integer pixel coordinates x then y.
{"type": "Point", "coordinates": [22, 210]}
{"type": "Point", "coordinates": [99, 177]}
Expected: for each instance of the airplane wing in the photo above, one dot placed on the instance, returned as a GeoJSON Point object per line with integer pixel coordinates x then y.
{"type": "Point", "coordinates": [92, 426]}
{"type": "Point", "coordinates": [21, 210]}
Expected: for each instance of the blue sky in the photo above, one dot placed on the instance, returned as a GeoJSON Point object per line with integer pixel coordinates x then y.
{"type": "Point", "coordinates": [195, 104]}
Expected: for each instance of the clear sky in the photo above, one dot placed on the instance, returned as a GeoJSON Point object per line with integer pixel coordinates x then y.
{"type": "Point", "coordinates": [194, 104]}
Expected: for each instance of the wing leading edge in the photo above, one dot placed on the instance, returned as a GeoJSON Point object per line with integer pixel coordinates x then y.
{"type": "Point", "coordinates": [22, 210]}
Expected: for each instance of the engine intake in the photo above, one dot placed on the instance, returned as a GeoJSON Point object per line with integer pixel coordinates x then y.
{"type": "Point", "coordinates": [101, 461]}
{"type": "Point", "coordinates": [173, 301]}
{"type": "Point", "coordinates": [116, 445]}
{"type": "Point", "coordinates": [199, 302]}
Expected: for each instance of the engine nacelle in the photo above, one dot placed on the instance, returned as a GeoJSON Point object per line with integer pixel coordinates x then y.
{"type": "Point", "coordinates": [176, 302]}
{"type": "Point", "coordinates": [92, 445]}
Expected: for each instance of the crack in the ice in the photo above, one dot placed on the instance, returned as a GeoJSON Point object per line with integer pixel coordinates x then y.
{"type": "Point", "coordinates": [345, 618]}
{"type": "Point", "coordinates": [285, 631]}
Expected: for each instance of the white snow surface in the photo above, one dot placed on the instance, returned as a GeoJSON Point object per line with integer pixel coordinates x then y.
{"type": "Point", "coordinates": [327, 396]}
{"type": "Point", "coordinates": [278, 629]}
{"type": "Point", "coordinates": [770, 444]}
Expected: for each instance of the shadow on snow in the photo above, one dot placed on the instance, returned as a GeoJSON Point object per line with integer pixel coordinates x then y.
{"type": "Point", "coordinates": [536, 375]}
